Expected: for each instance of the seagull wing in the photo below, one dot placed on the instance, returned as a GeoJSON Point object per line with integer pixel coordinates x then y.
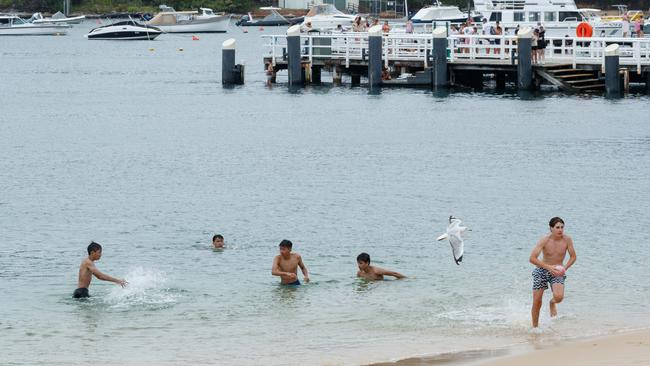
{"type": "Point", "coordinates": [457, 247]}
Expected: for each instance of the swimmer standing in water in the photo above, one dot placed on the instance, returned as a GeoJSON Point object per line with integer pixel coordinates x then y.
{"type": "Point", "coordinates": [373, 273]}
{"type": "Point", "coordinates": [286, 265]}
{"type": "Point", "coordinates": [87, 269]}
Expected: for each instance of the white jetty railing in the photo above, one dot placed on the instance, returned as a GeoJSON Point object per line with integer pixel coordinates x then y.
{"type": "Point", "coordinates": [488, 49]}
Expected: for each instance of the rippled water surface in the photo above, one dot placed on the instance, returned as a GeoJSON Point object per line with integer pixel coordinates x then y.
{"type": "Point", "coordinates": [144, 151]}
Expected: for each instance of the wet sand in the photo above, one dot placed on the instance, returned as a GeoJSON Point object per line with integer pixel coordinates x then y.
{"type": "Point", "coordinates": [626, 349]}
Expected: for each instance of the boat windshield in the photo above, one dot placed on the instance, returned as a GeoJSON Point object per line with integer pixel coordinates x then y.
{"type": "Point", "coordinates": [274, 16]}
{"type": "Point", "coordinates": [325, 9]}
{"type": "Point", "coordinates": [17, 20]}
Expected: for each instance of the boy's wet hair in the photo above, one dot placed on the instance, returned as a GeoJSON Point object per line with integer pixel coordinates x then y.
{"type": "Point", "coordinates": [93, 247]}
{"type": "Point", "coordinates": [218, 236]}
{"type": "Point", "coordinates": [286, 244]}
{"type": "Point", "coordinates": [363, 257]}
{"type": "Point", "coordinates": [554, 221]}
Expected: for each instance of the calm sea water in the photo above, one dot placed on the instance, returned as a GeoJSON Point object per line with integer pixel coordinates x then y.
{"type": "Point", "coordinates": [146, 153]}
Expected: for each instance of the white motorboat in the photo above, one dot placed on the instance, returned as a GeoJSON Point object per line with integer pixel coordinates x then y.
{"type": "Point", "coordinates": [560, 18]}
{"type": "Point", "coordinates": [126, 30]}
{"type": "Point", "coordinates": [327, 17]}
{"type": "Point", "coordinates": [58, 17]}
{"type": "Point", "coordinates": [442, 13]}
{"type": "Point", "coordinates": [11, 25]}
{"type": "Point", "coordinates": [172, 21]}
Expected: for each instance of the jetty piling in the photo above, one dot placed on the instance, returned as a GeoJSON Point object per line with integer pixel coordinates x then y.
{"type": "Point", "coordinates": [231, 74]}
{"type": "Point", "coordinates": [612, 73]}
{"type": "Point", "coordinates": [374, 56]}
{"type": "Point", "coordinates": [439, 68]}
{"type": "Point", "coordinates": [294, 61]}
{"type": "Point", "coordinates": [524, 59]}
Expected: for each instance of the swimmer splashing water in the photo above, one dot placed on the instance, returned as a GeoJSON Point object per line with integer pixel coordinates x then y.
{"type": "Point", "coordinates": [87, 269]}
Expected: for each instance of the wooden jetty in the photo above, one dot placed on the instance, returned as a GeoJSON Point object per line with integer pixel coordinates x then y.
{"type": "Point", "coordinates": [570, 63]}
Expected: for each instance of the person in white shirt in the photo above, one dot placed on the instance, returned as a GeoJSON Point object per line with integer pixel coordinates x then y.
{"type": "Point", "coordinates": [625, 25]}
{"type": "Point", "coordinates": [486, 30]}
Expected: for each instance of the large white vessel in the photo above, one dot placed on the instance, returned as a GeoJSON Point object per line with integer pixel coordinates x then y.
{"type": "Point", "coordinates": [560, 18]}
{"type": "Point", "coordinates": [327, 17]}
{"type": "Point", "coordinates": [11, 25]}
{"type": "Point", "coordinates": [171, 21]}
{"type": "Point", "coordinates": [442, 13]}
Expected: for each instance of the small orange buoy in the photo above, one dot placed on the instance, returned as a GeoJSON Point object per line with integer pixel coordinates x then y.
{"type": "Point", "coordinates": [195, 38]}
{"type": "Point", "coordinates": [261, 29]}
{"type": "Point", "coordinates": [584, 29]}
{"type": "Point", "coordinates": [245, 30]}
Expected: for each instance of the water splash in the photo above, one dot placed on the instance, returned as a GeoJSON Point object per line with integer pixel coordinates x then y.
{"type": "Point", "coordinates": [147, 289]}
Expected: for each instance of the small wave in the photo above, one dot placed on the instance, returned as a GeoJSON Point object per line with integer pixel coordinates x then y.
{"type": "Point", "coordinates": [147, 288]}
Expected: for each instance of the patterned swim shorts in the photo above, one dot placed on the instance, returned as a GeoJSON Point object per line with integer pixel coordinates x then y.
{"type": "Point", "coordinates": [542, 277]}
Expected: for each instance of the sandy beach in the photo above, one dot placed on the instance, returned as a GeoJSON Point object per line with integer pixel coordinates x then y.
{"type": "Point", "coordinates": [628, 349]}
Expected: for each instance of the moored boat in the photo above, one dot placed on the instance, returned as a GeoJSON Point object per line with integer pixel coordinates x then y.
{"type": "Point", "coordinates": [12, 25]}
{"type": "Point", "coordinates": [274, 19]}
{"type": "Point", "coordinates": [126, 30]}
{"type": "Point", "coordinates": [205, 21]}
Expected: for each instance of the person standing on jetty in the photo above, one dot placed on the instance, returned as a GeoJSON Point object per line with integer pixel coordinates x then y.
{"type": "Point", "coordinates": [373, 273]}
{"type": "Point", "coordinates": [286, 265]}
{"type": "Point", "coordinates": [87, 269]}
{"type": "Point", "coordinates": [551, 269]}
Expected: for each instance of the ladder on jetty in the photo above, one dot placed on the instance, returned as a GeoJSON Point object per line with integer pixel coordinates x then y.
{"type": "Point", "coordinates": [571, 79]}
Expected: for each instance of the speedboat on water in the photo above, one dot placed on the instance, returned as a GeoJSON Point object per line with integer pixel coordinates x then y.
{"type": "Point", "coordinates": [126, 30]}
{"type": "Point", "coordinates": [205, 21]}
{"type": "Point", "coordinates": [327, 17]}
{"type": "Point", "coordinates": [443, 13]}
{"type": "Point", "coordinates": [58, 17]}
{"type": "Point", "coordinates": [274, 19]}
{"type": "Point", "coordinates": [11, 25]}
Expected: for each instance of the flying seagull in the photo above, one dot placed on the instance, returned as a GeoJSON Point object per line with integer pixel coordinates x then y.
{"type": "Point", "coordinates": [454, 231]}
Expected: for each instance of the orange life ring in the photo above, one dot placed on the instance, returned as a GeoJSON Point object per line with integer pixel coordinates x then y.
{"type": "Point", "coordinates": [584, 29]}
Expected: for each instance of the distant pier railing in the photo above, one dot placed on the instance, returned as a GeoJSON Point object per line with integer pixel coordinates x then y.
{"type": "Point", "coordinates": [490, 49]}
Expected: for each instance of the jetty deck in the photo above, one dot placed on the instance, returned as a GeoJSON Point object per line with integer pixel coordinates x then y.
{"type": "Point", "coordinates": [412, 53]}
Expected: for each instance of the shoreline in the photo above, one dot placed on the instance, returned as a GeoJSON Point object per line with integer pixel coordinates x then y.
{"type": "Point", "coordinates": [624, 348]}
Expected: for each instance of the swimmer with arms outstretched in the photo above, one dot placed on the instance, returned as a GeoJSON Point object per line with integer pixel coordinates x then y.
{"type": "Point", "coordinates": [286, 265]}
{"type": "Point", "coordinates": [373, 273]}
{"type": "Point", "coordinates": [87, 269]}
{"type": "Point", "coordinates": [551, 269]}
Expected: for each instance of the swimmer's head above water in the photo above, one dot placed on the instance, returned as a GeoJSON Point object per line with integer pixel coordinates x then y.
{"type": "Point", "coordinates": [217, 241]}
{"type": "Point", "coordinates": [94, 251]}
{"type": "Point", "coordinates": [363, 261]}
